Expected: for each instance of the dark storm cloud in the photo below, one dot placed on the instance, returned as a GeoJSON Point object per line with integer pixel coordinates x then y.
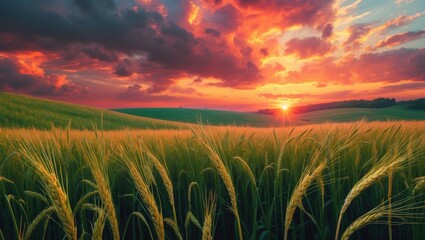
{"type": "Point", "coordinates": [137, 93]}
{"type": "Point", "coordinates": [124, 69]}
{"type": "Point", "coordinates": [95, 5]}
{"type": "Point", "coordinates": [226, 18]}
{"type": "Point", "coordinates": [126, 31]}
{"type": "Point", "coordinates": [100, 54]}
{"type": "Point", "coordinates": [11, 79]}
{"type": "Point", "coordinates": [213, 32]}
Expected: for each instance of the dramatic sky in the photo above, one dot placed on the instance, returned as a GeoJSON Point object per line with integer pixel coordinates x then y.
{"type": "Point", "coordinates": [221, 54]}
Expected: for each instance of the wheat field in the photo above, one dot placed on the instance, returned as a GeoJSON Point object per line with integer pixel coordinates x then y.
{"type": "Point", "coordinates": [328, 181]}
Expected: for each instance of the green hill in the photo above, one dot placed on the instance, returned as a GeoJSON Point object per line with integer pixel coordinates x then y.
{"type": "Point", "coordinates": [213, 117]}
{"type": "Point", "coordinates": [18, 111]}
{"type": "Point", "coordinates": [399, 112]}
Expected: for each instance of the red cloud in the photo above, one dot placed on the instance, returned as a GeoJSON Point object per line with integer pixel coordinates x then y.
{"type": "Point", "coordinates": [390, 66]}
{"type": "Point", "coordinates": [16, 77]}
{"type": "Point", "coordinates": [307, 47]}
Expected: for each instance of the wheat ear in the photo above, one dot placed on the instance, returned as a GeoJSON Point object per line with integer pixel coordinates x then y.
{"type": "Point", "coordinates": [148, 198]}
{"type": "Point", "coordinates": [360, 222]}
{"type": "Point", "coordinates": [41, 161]}
{"type": "Point", "coordinates": [209, 143]}
{"type": "Point", "coordinates": [207, 229]}
{"type": "Point", "coordinates": [96, 158]}
{"type": "Point", "coordinates": [298, 194]}
{"type": "Point", "coordinates": [369, 179]}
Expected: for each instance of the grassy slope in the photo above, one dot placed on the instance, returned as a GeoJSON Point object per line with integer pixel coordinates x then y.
{"type": "Point", "coordinates": [214, 117]}
{"type": "Point", "coordinates": [17, 111]}
{"type": "Point", "coordinates": [355, 114]}
{"type": "Point", "coordinates": [238, 118]}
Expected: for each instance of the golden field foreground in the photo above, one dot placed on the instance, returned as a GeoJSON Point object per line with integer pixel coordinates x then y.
{"type": "Point", "coordinates": [328, 181]}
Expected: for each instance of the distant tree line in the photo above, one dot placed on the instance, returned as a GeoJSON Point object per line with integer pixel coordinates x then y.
{"type": "Point", "coordinates": [375, 103]}
{"type": "Point", "coordinates": [418, 104]}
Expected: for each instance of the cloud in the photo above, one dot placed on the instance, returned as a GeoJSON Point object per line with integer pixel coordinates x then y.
{"type": "Point", "coordinates": [130, 32]}
{"type": "Point", "coordinates": [95, 5]}
{"type": "Point", "coordinates": [327, 30]}
{"type": "Point", "coordinates": [307, 47]}
{"type": "Point", "coordinates": [226, 18]}
{"type": "Point", "coordinates": [197, 80]}
{"type": "Point", "coordinates": [404, 87]}
{"type": "Point", "coordinates": [285, 96]}
{"type": "Point", "coordinates": [303, 12]}
{"type": "Point", "coordinates": [100, 54]}
{"type": "Point", "coordinates": [124, 69]}
{"type": "Point", "coordinates": [398, 22]}
{"type": "Point", "coordinates": [321, 85]}
{"type": "Point", "coordinates": [399, 39]}
{"type": "Point", "coordinates": [213, 32]}
{"type": "Point", "coordinates": [357, 32]}
{"type": "Point", "coordinates": [13, 78]}
{"type": "Point", "coordinates": [135, 93]}
{"type": "Point", "coordinates": [389, 66]}
{"type": "Point", "coordinates": [403, 1]}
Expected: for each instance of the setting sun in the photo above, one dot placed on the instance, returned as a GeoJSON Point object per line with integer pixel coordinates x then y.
{"type": "Point", "coordinates": [284, 107]}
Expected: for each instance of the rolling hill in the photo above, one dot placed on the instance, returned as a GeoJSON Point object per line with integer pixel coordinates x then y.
{"type": "Point", "coordinates": [18, 111]}
{"type": "Point", "coordinates": [399, 112]}
{"type": "Point", "coordinates": [215, 117]}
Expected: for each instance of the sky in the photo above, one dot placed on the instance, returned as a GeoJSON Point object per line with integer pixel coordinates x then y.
{"type": "Point", "coordinates": [240, 55]}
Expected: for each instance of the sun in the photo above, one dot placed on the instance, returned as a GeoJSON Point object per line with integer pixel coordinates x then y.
{"type": "Point", "coordinates": [284, 107]}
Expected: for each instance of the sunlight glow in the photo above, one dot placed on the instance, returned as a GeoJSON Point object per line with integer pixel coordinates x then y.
{"type": "Point", "coordinates": [284, 107]}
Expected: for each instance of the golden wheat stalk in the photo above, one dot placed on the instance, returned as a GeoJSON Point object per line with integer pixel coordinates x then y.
{"type": "Point", "coordinates": [166, 179]}
{"type": "Point", "coordinates": [299, 193]}
{"type": "Point", "coordinates": [360, 222]}
{"type": "Point", "coordinates": [41, 160]}
{"type": "Point", "coordinates": [212, 150]}
{"type": "Point", "coordinates": [247, 169]}
{"type": "Point", "coordinates": [207, 229]}
{"type": "Point", "coordinates": [420, 183]}
{"type": "Point", "coordinates": [3, 179]}
{"type": "Point", "coordinates": [174, 226]}
{"type": "Point", "coordinates": [147, 198]}
{"type": "Point", "coordinates": [390, 192]}
{"type": "Point", "coordinates": [191, 218]}
{"type": "Point", "coordinates": [96, 157]}
{"type": "Point", "coordinates": [99, 225]}
{"type": "Point", "coordinates": [374, 175]}
{"type": "Point", "coordinates": [45, 213]}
